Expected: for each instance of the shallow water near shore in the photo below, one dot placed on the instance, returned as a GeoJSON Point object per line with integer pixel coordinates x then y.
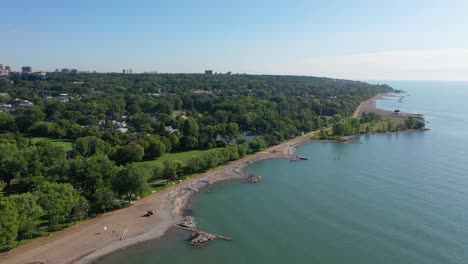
{"type": "Point", "coordinates": [396, 198]}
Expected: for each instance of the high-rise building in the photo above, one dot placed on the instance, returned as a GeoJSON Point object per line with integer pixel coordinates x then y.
{"type": "Point", "coordinates": [26, 69]}
{"type": "Point", "coordinates": [8, 68]}
{"type": "Point", "coordinates": [124, 71]}
{"type": "Point", "coordinates": [1, 67]}
{"type": "Point", "coordinates": [66, 71]}
{"type": "Point", "coordinates": [130, 71]}
{"type": "Point", "coordinates": [209, 72]}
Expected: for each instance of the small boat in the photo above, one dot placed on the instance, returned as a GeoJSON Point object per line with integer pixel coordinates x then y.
{"type": "Point", "coordinates": [301, 158]}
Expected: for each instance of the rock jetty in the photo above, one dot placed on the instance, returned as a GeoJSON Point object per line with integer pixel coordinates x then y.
{"type": "Point", "coordinates": [253, 179]}
{"type": "Point", "coordinates": [188, 222]}
{"type": "Point", "coordinates": [198, 238]}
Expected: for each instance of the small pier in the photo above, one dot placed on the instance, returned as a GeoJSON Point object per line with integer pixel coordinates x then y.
{"type": "Point", "coordinates": [193, 230]}
{"type": "Point", "coordinates": [297, 158]}
{"type": "Point", "coordinates": [198, 237]}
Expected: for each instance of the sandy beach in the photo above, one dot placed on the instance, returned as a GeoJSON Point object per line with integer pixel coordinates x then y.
{"type": "Point", "coordinates": [106, 233]}
{"type": "Point", "coordinates": [370, 105]}
{"type": "Point", "coordinates": [94, 238]}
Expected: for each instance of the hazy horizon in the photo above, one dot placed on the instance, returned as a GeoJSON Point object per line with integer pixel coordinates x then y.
{"type": "Point", "coordinates": [365, 40]}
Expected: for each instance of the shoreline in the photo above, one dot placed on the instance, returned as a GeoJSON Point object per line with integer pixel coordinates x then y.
{"type": "Point", "coordinates": [370, 105]}
{"type": "Point", "coordinates": [233, 172]}
{"type": "Point", "coordinates": [95, 238]}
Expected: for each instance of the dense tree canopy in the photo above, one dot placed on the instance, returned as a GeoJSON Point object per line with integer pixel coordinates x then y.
{"type": "Point", "coordinates": [115, 121]}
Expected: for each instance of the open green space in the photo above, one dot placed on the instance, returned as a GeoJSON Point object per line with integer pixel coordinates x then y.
{"type": "Point", "coordinates": [181, 156]}
{"type": "Point", "coordinates": [65, 143]}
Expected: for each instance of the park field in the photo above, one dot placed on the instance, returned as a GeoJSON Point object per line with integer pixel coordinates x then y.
{"type": "Point", "coordinates": [65, 143]}
{"type": "Point", "coordinates": [180, 156]}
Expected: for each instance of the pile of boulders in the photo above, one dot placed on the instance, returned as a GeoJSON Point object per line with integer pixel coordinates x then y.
{"type": "Point", "coordinates": [188, 222]}
{"type": "Point", "coordinates": [253, 179]}
{"type": "Point", "coordinates": [198, 238]}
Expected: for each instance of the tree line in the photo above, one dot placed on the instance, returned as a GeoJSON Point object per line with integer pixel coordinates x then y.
{"type": "Point", "coordinates": [163, 113]}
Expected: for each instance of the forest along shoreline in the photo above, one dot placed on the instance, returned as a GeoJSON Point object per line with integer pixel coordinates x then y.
{"type": "Point", "coordinates": [236, 169]}
{"type": "Point", "coordinates": [95, 238]}
{"type": "Point", "coordinates": [185, 191]}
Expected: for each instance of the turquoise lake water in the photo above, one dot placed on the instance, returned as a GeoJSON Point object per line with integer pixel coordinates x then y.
{"type": "Point", "coordinates": [398, 198]}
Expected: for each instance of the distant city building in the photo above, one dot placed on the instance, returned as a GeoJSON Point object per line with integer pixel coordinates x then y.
{"type": "Point", "coordinates": [209, 72]}
{"type": "Point", "coordinates": [66, 71]}
{"type": "Point", "coordinates": [130, 71]}
{"type": "Point", "coordinates": [229, 73]}
{"type": "Point", "coordinates": [74, 71]}
{"type": "Point", "coordinates": [26, 69]}
{"type": "Point", "coordinates": [124, 71]}
{"type": "Point", "coordinates": [127, 71]}
{"type": "Point", "coordinates": [4, 72]}
{"type": "Point", "coordinates": [57, 70]}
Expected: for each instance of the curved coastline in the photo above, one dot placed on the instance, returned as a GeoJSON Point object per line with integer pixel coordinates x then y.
{"type": "Point", "coordinates": [90, 241]}
{"type": "Point", "coordinates": [95, 238]}
{"type": "Point", "coordinates": [232, 171]}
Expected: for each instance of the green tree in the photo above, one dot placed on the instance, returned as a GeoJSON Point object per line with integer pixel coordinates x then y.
{"type": "Point", "coordinates": [90, 174]}
{"type": "Point", "coordinates": [190, 128]}
{"type": "Point", "coordinates": [170, 169]}
{"type": "Point", "coordinates": [339, 129]}
{"type": "Point", "coordinates": [8, 221]}
{"type": "Point", "coordinates": [57, 200]}
{"type": "Point", "coordinates": [104, 199]}
{"type": "Point", "coordinates": [132, 180]}
{"type": "Point", "coordinates": [80, 209]}
{"type": "Point", "coordinates": [232, 132]}
{"type": "Point", "coordinates": [28, 117]}
{"type": "Point", "coordinates": [143, 122]}
{"type": "Point", "coordinates": [158, 172]}
{"type": "Point", "coordinates": [29, 213]}
{"type": "Point", "coordinates": [337, 118]}
{"type": "Point", "coordinates": [196, 164]}
{"type": "Point", "coordinates": [89, 146]}
{"type": "Point", "coordinates": [153, 147]}
{"type": "Point", "coordinates": [12, 163]}
{"type": "Point", "coordinates": [189, 142]}
{"type": "Point", "coordinates": [7, 122]}
{"type": "Point", "coordinates": [258, 144]}
{"type": "Point", "coordinates": [128, 154]}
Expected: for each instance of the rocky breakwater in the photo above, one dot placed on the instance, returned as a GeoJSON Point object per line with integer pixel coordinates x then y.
{"type": "Point", "coordinates": [253, 179]}
{"type": "Point", "coordinates": [188, 222]}
{"type": "Point", "coordinates": [197, 237]}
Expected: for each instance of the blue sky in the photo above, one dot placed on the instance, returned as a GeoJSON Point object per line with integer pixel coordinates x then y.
{"type": "Point", "coordinates": [346, 39]}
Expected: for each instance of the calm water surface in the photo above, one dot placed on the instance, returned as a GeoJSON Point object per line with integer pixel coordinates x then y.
{"type": "Point", "coordinates": [400, 198]}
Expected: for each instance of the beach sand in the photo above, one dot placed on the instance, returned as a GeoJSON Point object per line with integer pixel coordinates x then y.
{"type": "Point", "coordinates": [370, 105]}
{"type": "Point", "coordinates": [94, 238]}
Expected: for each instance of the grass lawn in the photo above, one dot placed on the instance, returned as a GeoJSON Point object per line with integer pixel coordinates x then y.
{"type": "Point", "coordinates": [382, 125]}
{"type": "Point", "coordinates": [65, 143]}
{"type": "Point", "coordinates": [181, 156]}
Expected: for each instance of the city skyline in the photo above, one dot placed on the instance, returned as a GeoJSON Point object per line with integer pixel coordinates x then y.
{"type": "Point", "coordinates": [365, 40]}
